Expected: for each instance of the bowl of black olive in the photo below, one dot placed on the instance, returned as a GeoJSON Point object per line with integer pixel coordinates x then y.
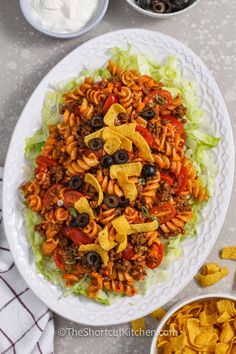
{"type": "Point", "coordinates": [162, 8]}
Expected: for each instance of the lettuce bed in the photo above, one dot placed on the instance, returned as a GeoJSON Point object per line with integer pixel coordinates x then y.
{"type": "Point", "coordinates": [199, 144]}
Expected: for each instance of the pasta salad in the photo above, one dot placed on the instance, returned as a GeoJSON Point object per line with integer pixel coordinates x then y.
{"type": "Point", "coordinates": [120, 169]}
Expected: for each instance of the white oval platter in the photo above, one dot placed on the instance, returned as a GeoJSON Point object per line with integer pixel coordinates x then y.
{"type": "Point", "coordinates": [195, 250]}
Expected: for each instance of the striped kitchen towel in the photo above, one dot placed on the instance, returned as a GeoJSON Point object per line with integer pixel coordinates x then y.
{"type": "Point", "coordinates": [26, 324]}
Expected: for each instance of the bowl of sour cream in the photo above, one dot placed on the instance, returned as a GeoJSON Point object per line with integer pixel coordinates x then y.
{"type": "Point", "coordinates": [64, 18]}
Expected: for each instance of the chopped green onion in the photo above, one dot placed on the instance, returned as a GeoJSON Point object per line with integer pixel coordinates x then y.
{"type": "Point", "coordinates": [73, 212]}
{"type": "Point", "coordinates": [151, 125]}
{"type": "Point", "coordinates": [145, 211]}
{"type": "Point", "coordinates": [160, 100]}
{"type": "Point", "coordinates": [154, 217]}
{"type": "Point", "coordinates": [73, 252]}
{"type": "Point", "coordinates": [68, 261]}
{"type": "Point", "coordinates": [142, 181]}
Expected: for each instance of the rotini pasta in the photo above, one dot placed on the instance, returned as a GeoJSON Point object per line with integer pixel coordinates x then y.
{"type": "Point", "coordinates": [81, 165]}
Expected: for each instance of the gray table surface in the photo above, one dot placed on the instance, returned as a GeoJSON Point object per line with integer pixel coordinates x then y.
{"type": "Point", "coordinates": [26, 56]}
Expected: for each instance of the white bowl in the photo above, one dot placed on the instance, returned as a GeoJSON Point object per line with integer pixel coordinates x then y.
{"type": "Point", "coordinates": [157, 15]}
{"type": "Point", "coordinates": [94, 20]}
{"type": "Point", "coordinates": [178, 306]}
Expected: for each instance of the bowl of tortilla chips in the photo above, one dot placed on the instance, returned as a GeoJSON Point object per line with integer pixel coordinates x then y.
{"type": "Point", "coordinates": [201, 324]}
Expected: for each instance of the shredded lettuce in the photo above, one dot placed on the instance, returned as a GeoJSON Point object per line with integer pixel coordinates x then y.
{"type": "Point", "coordinates": [34, 146]}
{"type": "Point", "coordinates": [45, 265]}
{"type": "Point", "coordinates": [200, 141]}
{"type": "Point", "coordinates": [50, 115]}
{"type": "Point", "coordinates": [50, 110]}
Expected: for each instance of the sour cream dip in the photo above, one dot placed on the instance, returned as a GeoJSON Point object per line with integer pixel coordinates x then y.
{"type": "Point", "coordinates": [63, 16]}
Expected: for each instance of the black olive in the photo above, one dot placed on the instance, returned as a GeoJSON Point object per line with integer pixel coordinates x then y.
{"type": "Point", "coordinates": [82, 220]}
{"type": "Point", "coordinates": [158, 6]}
{"type": "Point", "coordinates": [95, 144]}
{"type": "Point", "coordinates": [111, 201]}
{"type": "Point", "coordinates": [160, 100]}
{"type": "Point", "coordinates": [107, 161]}
{"type": "Point", "coordinates": [97, 122]}
{"type": "Point", "coordinates": [179, 5]}
{"type": "Point", "coordinates": [93, 259]}
{"type": "Point", "coordinates": [144, 4]}
{"type": "Point", "coordinates": [124, 202]}
{"type": "Point", "coordinates": [121, 156]}
{"type": "Point", "coordinates": [168, 6]}
{"type": "Point", "coordinates": [76, 183]}
{"type": "Point", "coordinates": [73, 223]}
{"type": "Point", "coordinates": [149, 170]}
{"type": "Point", "coordinates": [149, 114]}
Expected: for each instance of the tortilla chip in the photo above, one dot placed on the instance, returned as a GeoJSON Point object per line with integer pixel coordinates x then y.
{"type": "Point", "coordinates": [138, 326]}
{"type": "Point", "coordinates": [129, 169]}
{"type": "Point", "coordinates": [96, 134]}
{"type": "Point", "coordinates": [210, 268]}
{"type": "Point", "coordinates": [143, 147]}
{"type": "Point", "coordinates": [226, 306]}
{"type": "Point", "coordinates": [188, 350]}
{"type": "Point", "coordinates": [125, 129]}
{"type": "Point", "coordinates": [205, 337]}
{"type": "Point", "coordinates": [103, 239]}
{"type": "Point", "coordinates": [113, 113]}
{"type": "Point", "coordinates": [121, 224]}
{"type": "Point", "coordinates": [112, 145]}
{"type": "Point", "coordinates": [221, 348]}
{"type": "Point", "coordinates": [193, 328]}
{"type": "Point", "coordinates": [177, 343]}
{"type": "Point", "coordinates": [82, 206]}
{"type": "Point", "coordinates": [145, 227]}
{"type": "Point", "coordinates": [138, 140]}
{"type": "Point", "coordinates": [228, 253]}
{"type": "Point", "coordinates": [210, 279]}
{"type": "Point", "coordinates": [96, 248]}
{"type": "Point", "coordinates": [227, 334]}
{"type": "Point", "coordinates": [165, 346]}
{"type": "Point", "coordinates": [129, 188]}
{"type": "Point", "coordinates": [225, 316]}
{"type": "Point", "coordinates": [91, 179]}
{"type": "Point", "coordinates": [125, 144]}
{"type": "Point", "coordinates": [158, 314]}
{"type": "Point", "coordinates": [123, 240]}
{"type": "Point", "coordinates": [208, 319]}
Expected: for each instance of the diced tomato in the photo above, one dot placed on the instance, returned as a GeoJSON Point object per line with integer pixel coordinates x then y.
{"type": "Point", "coordinates": [76, 235]}
{"type": "Point", "coordinates": [146, 134]}
{"type": "Point", "coordinates": [58, 259]}
{"type": "Point", "coordinates": [152, 96]}
{"type": "Point", "coordinates": [41, 169]}
{"type": "Point", "coordinates": [45, 161]}
{"type": "Point", "coordinates": [164, 212]}
{"type": "Point", "coordinates": [167, 178]}
{"type": "Point", "coordinates": [182, 180]}
{"type": "Point", "coordinates": [111, 99]}
{"type": "Point", "coordinates": [176, 123]}
{"type": "Point", "coordinates": [128, 253]}
{"type": "Point", "coordinates": [70, 197]}
{"type": "Point", "coordinates": [155, 256]}
{"type": "Point", "coordinates": [51, 193]}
